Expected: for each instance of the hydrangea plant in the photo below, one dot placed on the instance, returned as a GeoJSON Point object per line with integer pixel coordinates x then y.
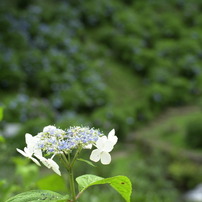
{"type": "Point", "coordinates": [67, 144]}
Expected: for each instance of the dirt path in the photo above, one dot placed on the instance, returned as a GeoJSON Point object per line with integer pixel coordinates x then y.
{"type": "Point", "coordinates": [167, 115]}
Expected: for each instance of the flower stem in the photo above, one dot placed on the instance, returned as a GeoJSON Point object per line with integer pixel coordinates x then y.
{"type": "Point", "coordinates": [72, 185]}
{"type": "Point", "coordinates": [75, 157]}
{"type": "Point", "coordinates": [69, 164]}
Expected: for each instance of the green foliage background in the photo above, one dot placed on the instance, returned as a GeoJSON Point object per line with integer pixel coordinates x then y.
{"type": "Point", "coordinates": [108, 64]}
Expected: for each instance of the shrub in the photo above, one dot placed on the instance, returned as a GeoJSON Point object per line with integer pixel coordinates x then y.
{"type": "Point", "coordinates": [62, 52]}
{"type": "Point", "coordinates": [181, 91]}
{"type": "Point", "coordinates": [159, 96]}
{"type": "Point", "coordinates": [193, 137]}
{"type": "Point", "coordinates": [21, 108]}
{"type": "Point", "coordinates": [184, 174]}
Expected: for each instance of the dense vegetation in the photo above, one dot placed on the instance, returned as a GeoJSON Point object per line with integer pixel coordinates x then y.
{"type": "Point", "coordinates": [108, 64]}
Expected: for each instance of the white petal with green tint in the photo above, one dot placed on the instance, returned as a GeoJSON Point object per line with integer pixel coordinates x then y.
{"type": "Point", "coordinates": [49, 163]}
{"type": "Point", "coordinates": [105, 158]}
{"type": "Point", "coordinates": [112, 137]}
{"type": "Point", "coordinates": [95, 155]}
{"type": "Point", "coordinates": [28, 154]}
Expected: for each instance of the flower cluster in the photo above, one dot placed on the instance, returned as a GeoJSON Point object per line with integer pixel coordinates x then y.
{"type": "Point", "coordinates": [33, 149]}
{"type": "Point", "coordinates": [54, 141]}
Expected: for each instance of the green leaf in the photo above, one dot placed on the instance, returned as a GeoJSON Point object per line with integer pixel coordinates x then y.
{"type": "Point", "coordinates": [121, 184]}
{"type": "Point", "coordinates": [86, 161]}
{"type": "Point", "coordinates": [38, 195]}
{"type": "Point", "coordinates": [1, 113]}
{"type": "Point", "coordinates": [2, 140]}
{"type": "Point", "coordinates": [64, 199]}
{"type": "Point", "coordinates": [85, 181]}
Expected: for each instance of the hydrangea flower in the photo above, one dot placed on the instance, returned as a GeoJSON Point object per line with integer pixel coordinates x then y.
{"type": "Point", "coordinates": [104, 146]}
{"type": "Point", "coordinates": [49, 139]}
{"type": "Point", "coordinates": [53, 140]}
{"type": "Point", "coordinates": [84, 136]}
{"type": "Point", "coordinates": [31, 149]}
{"type": "Point", "coordinates": [50, 129]}
{"type": "Point", "coordinates": [49, 163]}
{"type": "Point", "coordinates": [56, 141]}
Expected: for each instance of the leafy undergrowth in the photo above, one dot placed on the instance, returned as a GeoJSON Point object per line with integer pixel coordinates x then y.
{"type": "Point", "coordinates": [167, 135]}
{"type": "Point", "coordinates": [95, 63]}
{"type": "Point", "coordinates": [170, 127]}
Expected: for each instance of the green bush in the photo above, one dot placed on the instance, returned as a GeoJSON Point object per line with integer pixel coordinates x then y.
{"type": "Point", "coordinates": [184, 174]}
{"type": "Point", "coordinates": [181, 91]}
{"type": "Point", "coordinates": [159, 96]}
{"type": "Point", "coordinates": [193, 137]}
{"type": "Point", "coordinates": [78, 63]}
{"type": "Point", "coordinates": [23, 108]}
{"type": "Point", "coordinates": [54, 53]}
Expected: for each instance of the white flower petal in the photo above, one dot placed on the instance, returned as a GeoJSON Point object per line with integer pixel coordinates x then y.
{"type": "Point", "coordinates": [50, 129]}
{"type": "Point", "coordinates": [100, 142]}
{"type": "Point", "coordinates": [54, 166]}
{"type": "Point", "coordinates": [111, 133]}
{"type": "Point", "coordinates": [39, 135]}
{"type": "Point", "coordinates": [38, 152]}
{"type": "Point", "coordinates": [112, 137]}
{"type": "Point", "coordinates": [105, 158]}
{"type": "Point", "coordinates": [28, 138]}
{"type": "Point", "coordinates": [49, 163]}
{"type": "Point", "coordinates": [95, 155]}
{"type": "Point", "coordinates": [108, 146]}
{"type": "Point", "coordinates": [44, 161]}
{"type": "Point", "coordinates": [28, 152]}
{"type": "Point", "coordinates": [32, 142]}
{"type": "Point", "coordinates": [28, 155]}
{"type": "Point", "coordinates": [22, 152]}
{"type": "Point", "coordinates": [35, 161]}
{"type": "Point", "coordinates": [89, 146]}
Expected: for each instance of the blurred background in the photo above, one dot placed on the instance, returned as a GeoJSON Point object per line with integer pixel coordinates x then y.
{"type": "Point", "coordinates": [132, 65]}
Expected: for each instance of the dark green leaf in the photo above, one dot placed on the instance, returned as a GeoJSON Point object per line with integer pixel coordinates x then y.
{"type": "Point", "coordinates": [37, 195]}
